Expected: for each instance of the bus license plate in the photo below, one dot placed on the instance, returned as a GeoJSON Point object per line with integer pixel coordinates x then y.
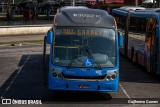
{"type": "Point", "coordinates": [83, 86]}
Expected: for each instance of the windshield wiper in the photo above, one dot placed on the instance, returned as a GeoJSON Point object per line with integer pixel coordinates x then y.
{"type": "Point", "coordinates": [71, 62]}
{"type": "Point", "coordinates": [91, 54]}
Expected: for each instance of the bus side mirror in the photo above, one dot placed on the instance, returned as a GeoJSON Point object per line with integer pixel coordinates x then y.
{"type": "Point", "coordinates": [49, 37]}
{"type": "Point", "coordinates": [120, 40]}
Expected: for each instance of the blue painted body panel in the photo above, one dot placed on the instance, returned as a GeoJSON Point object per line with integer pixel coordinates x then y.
{"type": "Point", "coordinates": [55, 83]}
{"type": "Point", "coordinates": [59, 84]}
{"type": "Point", "coordinates": [117, 11]}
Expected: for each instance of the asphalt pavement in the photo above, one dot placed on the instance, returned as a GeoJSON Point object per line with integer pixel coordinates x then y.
{"type": "Point", "coordinates": [22, 23]}
{"type": "Point", "coordinates": [22, 79]}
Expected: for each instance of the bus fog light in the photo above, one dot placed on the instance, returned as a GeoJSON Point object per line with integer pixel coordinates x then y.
{"type": "Point", "coordinates": [59, 75]}
{"type": "Point", "coordinates": [54, 74]}
{"type": "Point", "coordinates": [108, 77]}
{"type": "Point", "coordinates": [112, 74]}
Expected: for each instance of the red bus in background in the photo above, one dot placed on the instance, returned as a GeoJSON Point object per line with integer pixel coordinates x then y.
{"type": "Point", "coordinates": [105, 4]}
{"type": "Point", "coordinates": [114, 1]}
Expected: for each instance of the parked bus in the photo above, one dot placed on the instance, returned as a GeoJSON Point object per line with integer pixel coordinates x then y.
{"type": "Point", "coordinates": [140, 27]}
{"type": "Point", "coordinates": [84, 51]}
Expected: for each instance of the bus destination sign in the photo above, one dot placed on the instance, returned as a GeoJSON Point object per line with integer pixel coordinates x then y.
{"type": "Point", "coordinates": [84, 32]}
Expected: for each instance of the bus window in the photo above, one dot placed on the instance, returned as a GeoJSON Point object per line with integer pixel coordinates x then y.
{"type": "Point", "coordinates": [121, 21]}
{"type": "Point", "coordinates": [151, 44]}
{"type": "Point", "coordinates": [150, 32]}
{"type": "Point", "coordinates": [138, 24]}
{"type": "Point", "coordinates": [136, 37]}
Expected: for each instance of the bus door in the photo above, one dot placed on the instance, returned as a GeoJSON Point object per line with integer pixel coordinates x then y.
{"type": "Point", "coordinates": [151, 45]}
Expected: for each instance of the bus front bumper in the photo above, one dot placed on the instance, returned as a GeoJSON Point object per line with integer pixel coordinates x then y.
{"type": "Point", "coordinates": [78, 85]}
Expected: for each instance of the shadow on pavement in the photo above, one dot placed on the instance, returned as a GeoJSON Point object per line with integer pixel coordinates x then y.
{"type": "Point", "coordinates": [28, 84]}
{"type": "Point", "coordinates": [130, 72]}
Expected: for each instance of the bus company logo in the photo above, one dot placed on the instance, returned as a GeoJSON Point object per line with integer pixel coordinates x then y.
{"type": "Point", "coordinates": [13, 101]}
{"type": "Point", "coordinates": [87, 15]}
{"type": "Point", "coordinates": [6, 101]}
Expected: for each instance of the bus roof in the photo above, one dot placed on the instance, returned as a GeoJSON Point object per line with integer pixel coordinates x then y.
{"type": "Point", "coordinates": [131, 8]}
{"type": "Point", "coordinates": [71, 7]}
{"type": "Point", "coordinates": [125, 9]}
{"type": "Point", "coordinates": [139, 12]}
{"type": "Point", "coordinates": [147, 13]}
{"type": "Point", "coordinates": [83, 16]}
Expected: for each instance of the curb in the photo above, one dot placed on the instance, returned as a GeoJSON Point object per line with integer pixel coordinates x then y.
{"type": "Point", "coordinates": [23, 30]}
{"type": "Point", "coordinates": [38, 25]}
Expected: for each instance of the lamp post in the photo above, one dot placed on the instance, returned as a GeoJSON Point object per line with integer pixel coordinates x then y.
{"type": "Point", "coordinates": [136, 2]}
{"type": "Point", "coordinates": [104, 1]}
{"type": "Point", "coordinates": [73, 3]}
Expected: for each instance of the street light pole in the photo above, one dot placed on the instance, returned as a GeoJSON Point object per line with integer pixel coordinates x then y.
{"type": "Point", "coordinates": [136, 2]}
{"type": "Point", "coordinates": [73, 2]}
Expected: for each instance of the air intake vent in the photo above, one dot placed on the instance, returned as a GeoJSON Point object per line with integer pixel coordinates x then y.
{"type": "Point", "coordinates": [83, 77]}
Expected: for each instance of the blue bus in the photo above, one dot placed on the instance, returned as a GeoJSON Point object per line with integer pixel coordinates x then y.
{"type": "Point", "coordinates": [84, 51]}
{"type": "Point", "coordinates": [140, 28]}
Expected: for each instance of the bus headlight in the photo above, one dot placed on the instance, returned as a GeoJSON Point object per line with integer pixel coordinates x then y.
{"type": "Point", "coordinates": [113, 77]}
{"type": "Point", "coordinates": [56, 72]}
{"type": "Point", "coordinates": [108, 77]}
{"type": "Point", "coordinates": [60, 76]}
{"type": "Point", "coordinates": [111, 74]}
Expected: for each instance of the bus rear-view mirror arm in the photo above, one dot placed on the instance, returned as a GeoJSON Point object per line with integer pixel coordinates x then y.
{"type": "Point", "coordinates": [120, 39]}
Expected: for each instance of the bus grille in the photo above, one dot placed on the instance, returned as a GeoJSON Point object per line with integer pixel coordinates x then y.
{"type": "Point", "coordinates": [84, 77]}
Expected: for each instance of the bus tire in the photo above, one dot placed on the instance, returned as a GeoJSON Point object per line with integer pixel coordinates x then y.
{"type": "Point", "coordinates": [132, 54]}
{"type": "Point", "coordinates": [136, 58]}
{"type": "Point", "coordinates": [45, 64]}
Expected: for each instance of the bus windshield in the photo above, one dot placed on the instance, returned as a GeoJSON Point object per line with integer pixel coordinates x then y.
{"type": "Point", "coordinates": [84, 47]}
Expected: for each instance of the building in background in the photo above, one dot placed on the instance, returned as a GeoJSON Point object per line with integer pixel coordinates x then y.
{"type": "Point", "coordinates": [51, 5]}
{"type": "Point", "coordinates": [111, 4]}
{"type": "Point", "coordinates": [149, 3]}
